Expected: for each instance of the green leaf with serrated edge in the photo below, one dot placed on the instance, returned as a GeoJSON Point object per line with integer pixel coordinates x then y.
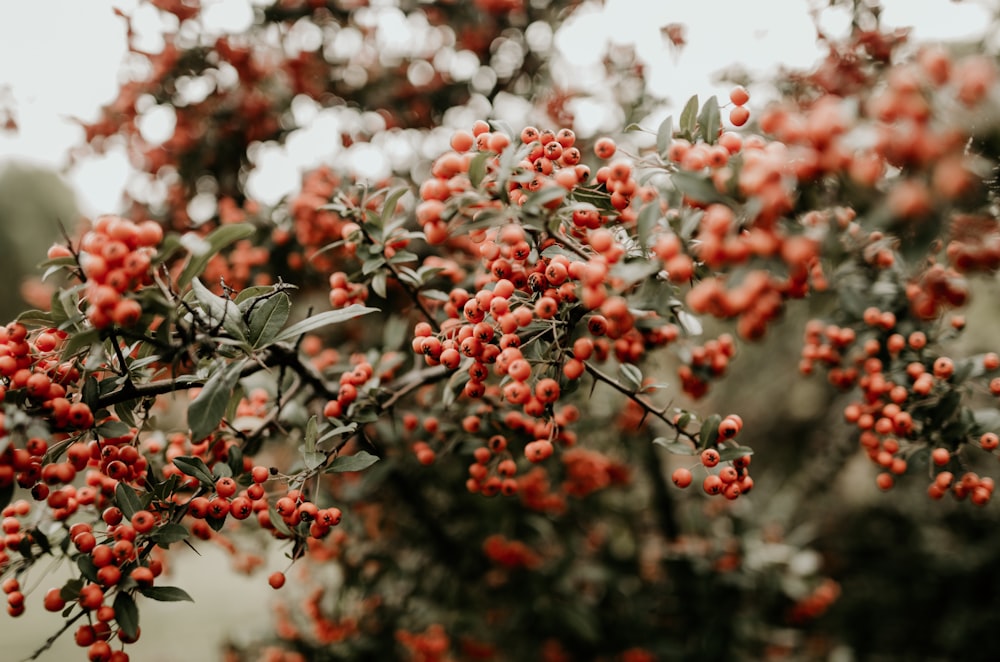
{"type": "Point", "coordinates": [689, 116]}
{"type": "Point", "coordinates": [127, 500]}
{"type": "Point", "coordinates": [676, 447]}
{"type": "Point", "coordinates": [209, 407]}
{"type": "Point", "coordinates": [221, 470]}
{"type": "Point", "coordinates": [323, 319]}
{"type": "Point", "coordinates": [267, 319]}
{"type": "Point", "coordinates": [631, 376]}
{"type": "Point", "coordinates": [218, 239]}
{"type": "Point", "coordinates": [664, 136]}
{"type": "Point", "coordinates": [696, 187]}
{"type": "Point", "coordinates": [126, 614]}
{"type": "Point", "coordinates": [379, 284]}
{"type": "Point", "coordinates": [196, 467]}
{"type": "Point", "coordinates": [219, 309]}
{"type": "Point", "coordinates": [477, 168]}
{"type": "Point", "coordinates": [311, 434]}
{"type": "Point", "coordinates": [113, 429]}
{"type": "Point", "coordinates": [389, 206]}
{"type": "Point", "coordinates": [166, 594]}
{"type": "Point", "coordinates": [709, 120]}
{"type": "Point", "coordinates": [357, 462]}
{"type": "Point", "coordinates": [277, 522]}
{"type": "Point", "coordinates": [169, 533]}
{"type": "Point", "coordinates": [732, 452]}
{"type": "Point", "coordinates": [710, 431]}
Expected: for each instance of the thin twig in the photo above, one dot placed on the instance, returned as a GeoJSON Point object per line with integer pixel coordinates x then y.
{"type": "Point", "coordinates": [51, 640]}
{"type": "Point", "coordinates": [634, 397]}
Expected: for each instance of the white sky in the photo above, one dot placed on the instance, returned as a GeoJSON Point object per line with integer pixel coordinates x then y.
{"type": "Point", "coordinates": [59, 60]}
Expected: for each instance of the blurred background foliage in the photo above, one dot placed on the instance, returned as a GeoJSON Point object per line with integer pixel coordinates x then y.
{"type": "Point", "coordinates": [915, 579]}
{"type": "Point", "coordinates": [34, 203]}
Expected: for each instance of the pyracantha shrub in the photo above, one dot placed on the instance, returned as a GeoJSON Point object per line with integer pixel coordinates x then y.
{"type": "Point", "coordinates": [457, 396]}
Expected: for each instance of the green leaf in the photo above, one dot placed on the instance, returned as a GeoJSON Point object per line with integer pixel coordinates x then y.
{"type": "Point", "coordinates": [248, 294]}
{"type": "Point", "coordinates": [337, 431]}
{"type": "Point", "coordinates": [126, 614]}
{"type": "Point", "coordinates": [209, 407]}
{"type": "Point", "coordinates": [379, 284]}
{"type": "Point", "coordinates": [732, 452]}
{"type": "Point", "coordinates": [91, 391]}
{"type": "Point", "coordinates": [676, 447]}
{"type": "Point", "coordinates": [710, 431]}
{"type": "Point", "coordinates": [113, 429]}
{"type": "Point", "coordinates": [202, 250]}
{"type": "Point", "coordinates": [545, 195]}
{"type": "Point", "coordinates": [168, 534]}
{"type": "Point", "coordinates": [477, 168]}
{"type": "Point", "coordinates": [267, 319]}
{"type": "Point", "coordinates": [646, 221]}
{"type": "Point", "coordinates": [196, 467]}
{"type": "Point", "coordinates": [312, 433]}
{"type": "Point", "coordinates": [689, 116]}
{"type": "Point", "coordinates": [357, 462]}
{"type": "Point", "coordinates": [389, 206]}
{"type": "Point", "coordinates": [87, 568]}
{"type": "Point", "coordinates": [323, 319]}
{"type": "Point", "coordinates": [696, 187]}
{"type": "Point", "coordinates": [664, 136]}
{"type": "Point", "coordinates": [71, 589]}
{"type": "Point", "coordinates": [127, 500]}
{"type": "Point", "coordinates": [631, 375]}
{"type": "Point", "coordinates": [313, 459]}
{"type": "Point", "coordinates": [277, 522]}
{"type": "Point", "coordinates": [709, 121]}
{"type": "Point", "coordinates": [220, 310]}
{"type": "Point", "coordinates": [372, 265]}
{"type": "Point", "coordinates": [77, 341]}
{"type": "Point", "coordinates": [166, 594]}
{"type": "Point", "coordinates": [35, 318]}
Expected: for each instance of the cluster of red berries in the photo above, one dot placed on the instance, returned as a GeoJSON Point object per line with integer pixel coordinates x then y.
{"type": "Point", "coordinates": [897, 376]}
{"type": "Point", "coordinates": [115, 258]}
{"type": "Point", "coordinates": [350, 381]}
{"type": "Point", "coordinates": [31, 360]}
{"type": "Point", "coordinates": [730, 479]}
